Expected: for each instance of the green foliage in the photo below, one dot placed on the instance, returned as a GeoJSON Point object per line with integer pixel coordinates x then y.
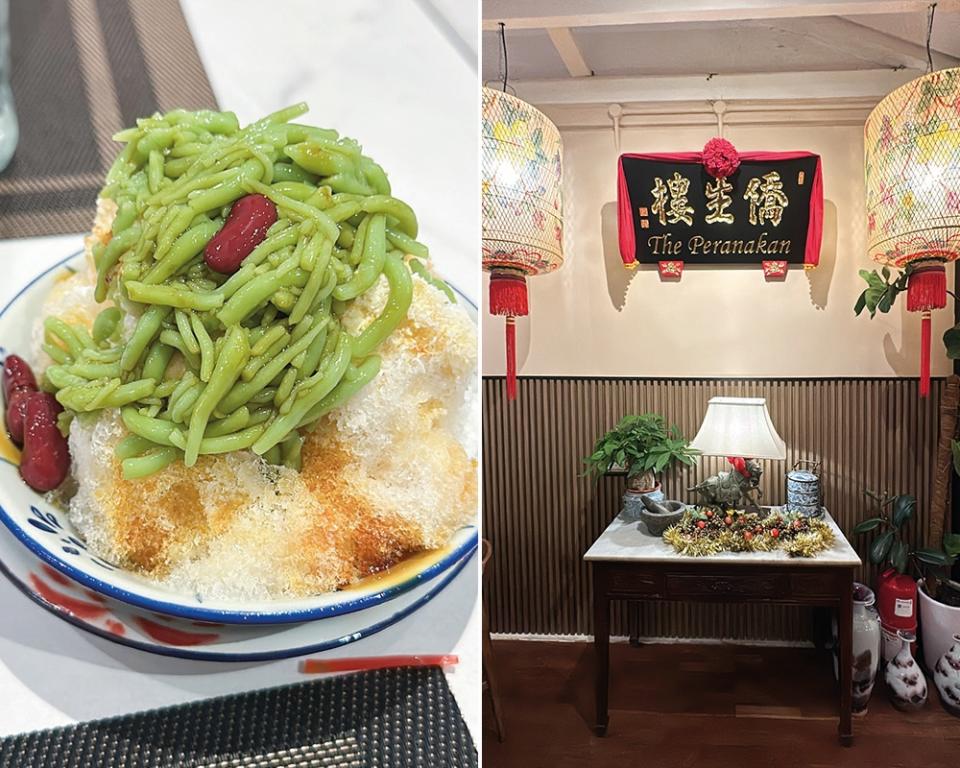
{"type": "Point", "coordinates": [951, 544]}
{"type": "Point", "coordinates": [640, 443]}
{"type": "Point", "coordinates": [890, 548]}
{"type": "Point", "coordinates": [881, 292]}
{"type": "Point", "coordinates": [951, 342]}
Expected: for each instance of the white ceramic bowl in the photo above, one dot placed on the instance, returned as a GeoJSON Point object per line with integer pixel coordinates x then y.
{"type": "Point", "coordinates": [48, 533]}
{"type": "Point", "coordinates": [210, 641]}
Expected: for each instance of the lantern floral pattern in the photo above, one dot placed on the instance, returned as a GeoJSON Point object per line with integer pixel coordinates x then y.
{"type": "Point", "coordinates": [912, 164]}
{"type": "Point", "coordinates": [912, 174]}
{"type": "Point", "coordinates": [521, 207]}
{"type": "Point", "coordinates": [520, 192]}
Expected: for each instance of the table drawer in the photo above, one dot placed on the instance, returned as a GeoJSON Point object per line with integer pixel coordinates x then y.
{"type": "Point", "coordinates": [727, 587]}
{"type": "Point", "coordinates": [814, 585]}
{"type": "Point", "coordinates": [630, 582]}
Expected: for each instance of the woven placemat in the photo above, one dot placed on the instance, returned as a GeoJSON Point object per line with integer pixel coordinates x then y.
{"type": "Point", "coordinates": [81, 70]}
{"type": "Point", "coordinates": [388, 717]}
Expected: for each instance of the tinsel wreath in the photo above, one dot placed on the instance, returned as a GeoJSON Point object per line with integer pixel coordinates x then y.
{"type": "Point", "coordinates": [705, 531]}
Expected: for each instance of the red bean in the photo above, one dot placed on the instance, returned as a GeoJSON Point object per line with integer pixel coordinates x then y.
{"type": "Point", "coordinates": [17, 374]}
{"type": "Point", "coordinates": [246, 227]}
{"type": "Point", "coordinates": [45, 461]}
{"type": "Point", "coordinates": [16, 412]}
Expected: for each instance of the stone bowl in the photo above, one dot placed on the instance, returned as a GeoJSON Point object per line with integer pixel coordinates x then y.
{"type": "Point", "coordinates": [658, 523]}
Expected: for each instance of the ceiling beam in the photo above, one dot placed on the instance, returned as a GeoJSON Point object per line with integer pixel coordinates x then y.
{"type": "Point", "coordinates": [866, 43]}
{"type": "Point", "coordinates": [855, 84]}
{"type": "Point", "coordinates": [569, 51]}
{"type": "Point", "coordinates": [546, 14]}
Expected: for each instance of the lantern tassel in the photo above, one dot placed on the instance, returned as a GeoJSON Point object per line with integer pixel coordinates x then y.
{"type": "Point", "coordinates": [508, 293]}
{"type": "Point", "coordinates": [508, 296]}
{"type": "Point", "coordinates": [925, 355]}
{"type": "Point", "coordinates": [927, 288]}
{"type": "Point", "coordinates": [511, 326]}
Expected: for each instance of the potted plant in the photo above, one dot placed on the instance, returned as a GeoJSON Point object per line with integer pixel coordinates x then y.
{"type": "Point", "coordinates": [939, 598]}
{"type": "Point", "coordinates": [643, 446]}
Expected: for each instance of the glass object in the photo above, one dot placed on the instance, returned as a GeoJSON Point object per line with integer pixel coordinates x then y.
{"type": "Point", "coordinates": [9, 133]}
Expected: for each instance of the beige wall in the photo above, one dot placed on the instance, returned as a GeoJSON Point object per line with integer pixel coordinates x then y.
{"type": "Point", "coordinates": [593, 317]}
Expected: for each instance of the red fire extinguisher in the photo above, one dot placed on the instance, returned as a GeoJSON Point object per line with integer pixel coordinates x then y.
{"type": "Point", "coordinates": [897, 606]}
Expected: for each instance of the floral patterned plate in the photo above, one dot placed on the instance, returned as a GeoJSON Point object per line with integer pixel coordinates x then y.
{"type": "Point", "coordinates": [47, 532]}
{"type": "Point", "coordinates": [171, 636]}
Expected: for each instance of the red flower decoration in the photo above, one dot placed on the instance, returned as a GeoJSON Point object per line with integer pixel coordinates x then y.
{"type": "Point", "coordinates": [720, 158]}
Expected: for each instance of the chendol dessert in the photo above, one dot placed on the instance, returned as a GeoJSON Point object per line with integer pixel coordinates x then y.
{"type": "Point", "coordinates": [264, 387]}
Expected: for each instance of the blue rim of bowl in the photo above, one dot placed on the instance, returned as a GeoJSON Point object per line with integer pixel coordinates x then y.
{"type": "Point", "coordinates": [216, 614]}
{"type": "Point", "coordinates": [285, 653]}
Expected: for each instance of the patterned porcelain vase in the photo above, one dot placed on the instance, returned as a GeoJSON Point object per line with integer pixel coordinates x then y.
{"type": "Point", "coordinates": [946, 675]}
{"type": "Point", "coordinates": [866, 646]}
{"type": "Point", "coordinates": [632, 505]}
{"type": "Point", "coordinates": [908, 686]}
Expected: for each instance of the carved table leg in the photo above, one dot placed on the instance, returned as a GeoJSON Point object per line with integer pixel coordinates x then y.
{"type": "Point", "coordinates": [845, 640]}
{"type": "Point", "coordinates": [601, 646]}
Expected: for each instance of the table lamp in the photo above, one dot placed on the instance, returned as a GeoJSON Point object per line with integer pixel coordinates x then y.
{"type": "Point", "coordinates": [739, 428]}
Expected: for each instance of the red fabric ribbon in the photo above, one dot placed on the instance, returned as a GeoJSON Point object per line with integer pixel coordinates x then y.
{"type": "Point", "coordinates": [740, 464]}
{"type": "Point", "coordinates": [720, 158]}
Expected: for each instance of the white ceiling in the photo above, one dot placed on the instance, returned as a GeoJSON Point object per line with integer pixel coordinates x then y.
{"type": "Point", "coordinates": [620, 39]}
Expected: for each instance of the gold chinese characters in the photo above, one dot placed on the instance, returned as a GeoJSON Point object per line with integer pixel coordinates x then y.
{"type": "Point", "coordinates": [767, 199]}
{"type": "Point", "coordinates": [764, 193]}
{"type": "Point", "coordinates": [679, 208]}
{"type": "Point", "coordinates": [718, 200]}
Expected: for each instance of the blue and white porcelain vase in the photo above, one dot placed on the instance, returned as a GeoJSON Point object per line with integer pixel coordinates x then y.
{"type": "Point", "coordinates": [632, 505]}
{"type": "Point", "coordinates": [908, 686]}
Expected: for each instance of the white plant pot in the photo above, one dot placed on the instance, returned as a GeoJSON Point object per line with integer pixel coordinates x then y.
{"type": "Point", "coordinates": [938, 624]}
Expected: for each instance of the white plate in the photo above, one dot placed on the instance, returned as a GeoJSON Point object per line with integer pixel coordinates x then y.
{"type": "Point", "coordinates": [171, 636]}
{"type": "Point", "coordinates": [47, 532]}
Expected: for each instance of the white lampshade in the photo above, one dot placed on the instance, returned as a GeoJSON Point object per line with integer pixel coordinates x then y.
{"type": "Point", "coordinates": [739, 426]}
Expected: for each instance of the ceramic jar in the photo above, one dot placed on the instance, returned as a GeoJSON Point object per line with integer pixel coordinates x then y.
{"type": "Point", "coordinates": [946, 676]}
{"type": "Point", "coordinates": [866, 646]}
{"type": "Point", "coordinates": [908, 686]}
{"type": "Point", "coordinates": [632, 506]}
{"type": "Point", "coordinates": [803, 493]}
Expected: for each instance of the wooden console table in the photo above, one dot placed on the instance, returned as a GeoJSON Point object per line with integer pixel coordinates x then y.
{"type": "Point", "coordinates": [630, 564]}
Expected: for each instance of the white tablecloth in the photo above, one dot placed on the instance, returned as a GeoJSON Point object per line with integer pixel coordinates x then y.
{"type": "Point", "coordinates": [401, 78]}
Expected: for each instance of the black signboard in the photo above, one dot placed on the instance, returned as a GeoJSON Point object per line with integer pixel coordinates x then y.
{"type": "Point", "coordinates": [676, 211]}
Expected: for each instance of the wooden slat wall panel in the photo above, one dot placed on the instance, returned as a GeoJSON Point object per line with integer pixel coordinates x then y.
{"type": "Point", "coordinates": [542, 515]}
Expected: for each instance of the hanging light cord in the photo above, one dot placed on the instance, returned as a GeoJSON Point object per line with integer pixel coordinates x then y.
{"type": "Point", "coordinates": [506, 64]}
{"type": "Point", "coordinates": [932, 9]}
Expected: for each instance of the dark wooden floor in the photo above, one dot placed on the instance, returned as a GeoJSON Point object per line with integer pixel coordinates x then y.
{"type": "Point", "coordinates": [699, 705]}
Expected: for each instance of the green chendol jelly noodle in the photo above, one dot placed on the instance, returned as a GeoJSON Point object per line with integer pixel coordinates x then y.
{"type": "Point", "coordinates": [260, 354]}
